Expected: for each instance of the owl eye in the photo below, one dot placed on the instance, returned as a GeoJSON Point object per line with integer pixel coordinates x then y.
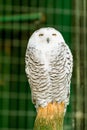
{"type": "Point", "coordinates": [54, 34]}
{"type": "Point", "coordinates": [41, 34]}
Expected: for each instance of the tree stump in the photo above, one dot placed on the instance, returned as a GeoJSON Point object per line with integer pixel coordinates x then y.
{"type": "Point", "coordinates": [50, 117]}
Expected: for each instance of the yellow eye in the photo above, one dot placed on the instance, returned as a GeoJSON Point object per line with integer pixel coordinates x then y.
{"type": "Point", "coordinates": [54, 34]}
{"type": "Point", "coordinates": [40, 34]}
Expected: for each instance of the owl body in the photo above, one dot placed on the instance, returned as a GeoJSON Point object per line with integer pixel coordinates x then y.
{"type": "Point", "coordinates": [48, 67]}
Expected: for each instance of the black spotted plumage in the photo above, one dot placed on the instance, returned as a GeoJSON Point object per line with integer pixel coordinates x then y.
{"type": "Point", "coordinates": [48, 67]}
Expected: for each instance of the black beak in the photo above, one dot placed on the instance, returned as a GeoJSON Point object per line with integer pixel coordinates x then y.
{"type": "Point", "coordinates": [48, 40]}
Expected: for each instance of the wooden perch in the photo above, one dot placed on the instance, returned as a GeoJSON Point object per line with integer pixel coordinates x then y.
{"type": "Point", "coordinates": [50, 117]}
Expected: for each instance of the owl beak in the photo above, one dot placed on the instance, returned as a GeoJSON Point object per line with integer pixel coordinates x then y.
{"type": "Point", "coordinates": [48, 40]}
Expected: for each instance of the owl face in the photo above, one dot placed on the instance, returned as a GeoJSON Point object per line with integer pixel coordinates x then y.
{"type": "Point", "coordinates": [46, 36]}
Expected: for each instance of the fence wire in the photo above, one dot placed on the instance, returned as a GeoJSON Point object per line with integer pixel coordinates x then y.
{"type": "Point", "coordinates": [18, 19]}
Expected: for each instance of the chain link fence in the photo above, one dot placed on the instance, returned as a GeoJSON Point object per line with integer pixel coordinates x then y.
{"type": "Point", "coordinates": [18, 19]}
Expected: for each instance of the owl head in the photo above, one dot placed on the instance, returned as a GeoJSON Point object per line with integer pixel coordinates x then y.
{"type": "Point", "coordinates": [47, 35]}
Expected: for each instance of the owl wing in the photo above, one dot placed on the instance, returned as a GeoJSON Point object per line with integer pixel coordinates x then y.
{"type": "Point", "coordinates": [38, 77]}
{"type": "Point", "coordinates": [68, 66]}
{"type": "Point", "coordinates": [31, 63]}
{"type": "Point", "coordinates": [61, 74]}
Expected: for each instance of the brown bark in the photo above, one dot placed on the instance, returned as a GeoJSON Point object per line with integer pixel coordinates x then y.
{"type": "Point", "coordinates": [50, 117]}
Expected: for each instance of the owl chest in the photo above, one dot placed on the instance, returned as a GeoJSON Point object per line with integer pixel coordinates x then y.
{"type": "Point", "coordinates": [47, 59]}
{"type": "Point", "coordinates": [48, 55]}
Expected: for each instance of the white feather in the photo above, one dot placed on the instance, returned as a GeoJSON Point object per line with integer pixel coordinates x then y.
{"type": "Point", "coordinates": [48, 67]}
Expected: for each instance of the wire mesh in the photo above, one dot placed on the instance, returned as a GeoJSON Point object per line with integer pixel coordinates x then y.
{"type": "Point", "coordinates": [16, 108]}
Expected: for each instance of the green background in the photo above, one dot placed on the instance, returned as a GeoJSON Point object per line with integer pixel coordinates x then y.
{"type": "Point", "coordinates": [69, 17]}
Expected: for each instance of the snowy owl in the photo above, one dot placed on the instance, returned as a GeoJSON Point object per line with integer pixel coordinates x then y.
{"type": "Point", "coordinates": [48, 65]}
